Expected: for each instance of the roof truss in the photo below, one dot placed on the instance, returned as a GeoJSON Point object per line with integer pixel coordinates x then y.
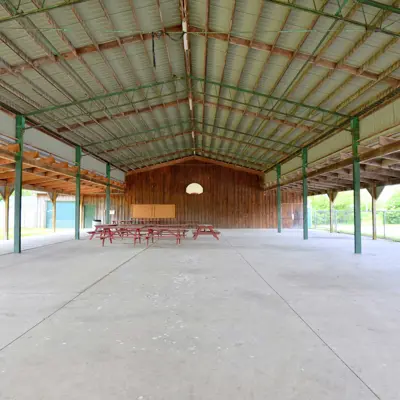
{"type": "Point", "coordinates": [165, 85]}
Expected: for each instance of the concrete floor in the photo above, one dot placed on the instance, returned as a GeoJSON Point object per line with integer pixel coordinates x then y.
{"type": "Point", "coordinates": [33, 242]}
{"type": "Point", "coordinates": [254, 316]}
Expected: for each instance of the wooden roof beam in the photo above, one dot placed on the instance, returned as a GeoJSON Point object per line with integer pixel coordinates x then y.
{"type": "Point", "coordinates": [257, 115]}
{"type": "Point", "coordinates": [255, 45]}
{"type": "Point", "coordinates": [367, 169]}
{"type": "Point", "coordinates": [364, 158]}
{"type": "Point", "coordinates": [195, 158]}
{"type": "Point", "coordinates": [88, 49]}
{"type": "Point", "coordinates": [318, 61]}
{"type": "Point", "coordinates": [169, 163]}
{"type": "Point", "coordinates": [229, 165]}
{"type": "Point", "coordinates": [122, 115]}
{"type": "Point", "coordinates": [29, 162]}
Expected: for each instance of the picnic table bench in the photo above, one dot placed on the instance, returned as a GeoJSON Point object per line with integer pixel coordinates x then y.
{"type": "Point", "coordinates": [165, 232]}
{"type": "Point", "coordinates": [205, 230]}
{"type": "Point", "coordinates": [109, 231]}
{"type": "Point", "coordinates": [137, 232]}
{"type": "Point", "coordinates": [98, 230]}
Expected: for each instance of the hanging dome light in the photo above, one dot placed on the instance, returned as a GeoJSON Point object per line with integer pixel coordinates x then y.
{"type": "Point", "coordinates": [194, 188]}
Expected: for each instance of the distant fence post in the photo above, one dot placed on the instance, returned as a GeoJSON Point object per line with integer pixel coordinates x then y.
{"type": "Point", "coordinates": [384, 224]}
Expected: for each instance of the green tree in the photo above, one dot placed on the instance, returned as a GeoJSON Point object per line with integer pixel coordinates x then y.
{"type": "Point", "coordinates": [319, 202]}
{"type": "Point", "coordinates": [344, 201]}
{"type": "Point", "coordinates": [393, 207]}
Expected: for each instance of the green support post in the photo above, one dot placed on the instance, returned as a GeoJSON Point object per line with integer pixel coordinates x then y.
{"type": "Point", "coordinates": [19, 134]}
{"type": "Point", "coordinates": [78, 156]}
{"type": "Point", "coordinates": [305, 193]}
{"type": "Point", "coordinates": [108, 193]}
{"type": "Point", "coordinates": [355, 129]}
{"type": "Point", "coordinates": [278, 197]}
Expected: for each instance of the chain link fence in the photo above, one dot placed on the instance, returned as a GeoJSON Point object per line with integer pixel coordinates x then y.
{"type": "Point", "coordinates": [387, 222]}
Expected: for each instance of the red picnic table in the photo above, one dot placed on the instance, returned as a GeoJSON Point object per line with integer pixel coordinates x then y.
{"type": "Point", "coordinates": [98, 230]}
{"type": "Point", "coordinates": [205, 230]}
{"type": "Point", "coordinates": [108, 231]}
{"type": "Point", "coordinates": [163, 231]}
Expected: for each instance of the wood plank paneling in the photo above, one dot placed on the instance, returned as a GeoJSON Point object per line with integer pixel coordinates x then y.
{"type": "Point", "coordinates": [118, 203]}
{"type": "Point", "coordinates": [231, 199]}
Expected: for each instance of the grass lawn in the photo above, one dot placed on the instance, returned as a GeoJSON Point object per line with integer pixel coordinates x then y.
{"type": "Point", "coordinates": [29, 232]}
{"type": "Point", "coordinates": [390, 232]}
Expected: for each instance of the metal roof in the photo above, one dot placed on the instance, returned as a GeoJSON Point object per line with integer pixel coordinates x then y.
{"type": "Point", "coordinates": [141, 82]}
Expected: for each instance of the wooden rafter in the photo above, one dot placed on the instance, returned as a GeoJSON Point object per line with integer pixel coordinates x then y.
{"type": "Point", "coordinates": [195, 158]}
{"type": "Point", "coordinates": [256, 45]}
{"type": "Point", "coordinates": [41, 167]}
{"type": "Point", "coordinates": [366, 157]}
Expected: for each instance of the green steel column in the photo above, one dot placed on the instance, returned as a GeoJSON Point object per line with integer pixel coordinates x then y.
{"type": "Point", "coordinates": [78, 156]}
{"type": "Point", "coordinates": [355, 128]}
{"type": "Point", "coordinates": [278, 197]}
{"type": "Point", "coordinates": [305, 193]}
{"type": "Point", "coordinates": [20, 127]}
{"type": "Point", "coordinates": [108, 194]}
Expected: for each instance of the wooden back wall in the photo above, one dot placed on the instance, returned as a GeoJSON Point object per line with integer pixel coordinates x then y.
{"type": "Point", "coordinates": [231, 199]}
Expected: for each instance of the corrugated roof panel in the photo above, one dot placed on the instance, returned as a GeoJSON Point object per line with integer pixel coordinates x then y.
{"type": "Point", "coordinates": [351, 87]}
{"type": "Point", "coordinates": [334, 82]}
{"type": "Point", "coordinates": [9, 56]}
{"type": "Point", "coordinates": [177, 57]}
{"type": "Point", "coordinates": [240, 122]}
{"type": "Point", "coordinates": [272, 73]}
{"type": "Point", "coordinates": [363, 54]}
{"type": "Point", "coordinates": [366, 12]}
{"type": "Point", "coordinates": [197, 46]}
{"type": "Point", "coordinates": [290, 76]}
{"type": "Point", "coordinates": [147, 14]}
{"type": "Point", "coordinates": [383, 63]}
{"type": "Point", "coordinates": [233, 122]}
{"type": "Point", "coordinates": [234, 64]}
{"type": "Point", "coordinates": [253, 67]}
{"type": "Point", "coordinates": [121, 15]}
{"type": "Point", "coordinates": [271, 22]}
{"type": "Point", "coordinates": [102, 71]}
{"type": "Point", "coordinates": [156, 118]}
{"type": "Point", "coordinates": [13, 101]}
{"type": "Point", "coordinates": [64, 82]}
{"type": "Point", "coordinates": [220, 117]}
{"type": "Point", "coordinates": [198, 112]}
{"type": "Point", "coordinates": [209, 116]}
{"type": "Point", "coordinates": [215, 58]}
{"type": "Point", "coordinates": [162, 69]}
{"type": "Point", "coordinates": [82, 71]}
{"type": "Point", "coordinates": [197, 14]}
{"type": "Point", "coordinates": [396, 74]}
{"type": "Point", "coordinates": [43, 86]}
{"type": "Point", "coordinates": [170, 11]}
{"type": "Point", "coordinates": [220, 15]}
{"type": "Point", "coordinates": [66, 19]}
{"type": "Point", "coordinates": [245, 18]}
{"type": "Point", "coordinates": [122, 67]}
{"type": "Point", "coordinates": [141, 63]}
{"type": "Point", "coordinates": [395, 47]}
{"type": "Point", "coordinates": [295, 29]}
{"type": "Point", "coordinates": [96, 21]}
{"type": "Point", "coordinates": [27, 45]}
{"type": "Point", "coordinates": [49, 33]}
{"type": "Point", "coordinates": [368, 96]}
{"type": "Point", "coordinates": [133, 123]}
{"type": "Point", "coordinates": [308, 83]}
